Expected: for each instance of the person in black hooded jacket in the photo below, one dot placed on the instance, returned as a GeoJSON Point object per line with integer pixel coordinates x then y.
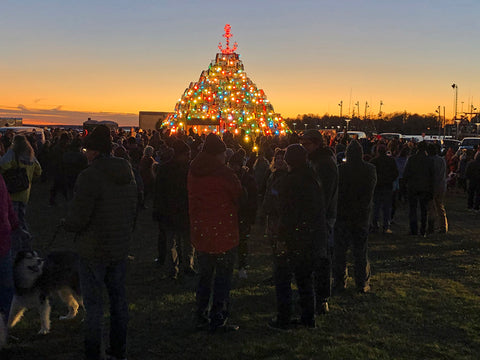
{"type": "Point", "coordinates": [356, 183]}
{"type": "Point", "coordinates": [302, 238]}
{"type": "Point", "coordinates": [322, 161]}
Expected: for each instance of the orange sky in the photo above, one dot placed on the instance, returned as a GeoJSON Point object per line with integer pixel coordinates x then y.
{"type": "Point", "coordinates": [108, 62]}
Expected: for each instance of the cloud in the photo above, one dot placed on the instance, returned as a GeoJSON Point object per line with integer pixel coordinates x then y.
{"type": "Point", "coordinates": [66, 117]}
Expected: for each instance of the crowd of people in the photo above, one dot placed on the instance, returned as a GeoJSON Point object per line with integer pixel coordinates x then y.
{"type": "Point", "coordinates": [315, 195]}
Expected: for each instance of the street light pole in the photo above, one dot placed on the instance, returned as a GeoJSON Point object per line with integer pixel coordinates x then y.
{"type": "Point", "coordinates": [439, 119]}
{"type": "Point", "coordinates": [380, 110]}
{"type": "Point", "coordinates": [455, 86]}
{"type": "Point", "coordinates": [366, 107]}
{"type": "Point", "coordinates": [341, 107]}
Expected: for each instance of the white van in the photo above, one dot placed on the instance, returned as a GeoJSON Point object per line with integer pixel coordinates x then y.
{"type": "Point", "coordinates": [390, 136]}
{"type": "Point", "coordinates": [26, 130]}
{"type": "Point", "coordinates": [358, 134]}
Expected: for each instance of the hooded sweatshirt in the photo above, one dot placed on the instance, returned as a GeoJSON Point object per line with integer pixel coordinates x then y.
{"type": "Point", "coordinates": [103, 209]}
{"type": "Point", "coordinates": [213, 196]}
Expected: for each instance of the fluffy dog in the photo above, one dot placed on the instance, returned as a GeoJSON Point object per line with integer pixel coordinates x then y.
{"type": "Point", "coordinates": [36, 279]}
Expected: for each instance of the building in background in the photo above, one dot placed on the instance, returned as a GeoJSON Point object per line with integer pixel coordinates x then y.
{"type": "Point", "coordinates": [151, 120]}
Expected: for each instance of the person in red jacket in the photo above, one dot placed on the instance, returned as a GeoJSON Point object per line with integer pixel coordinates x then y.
{"type": "Point", "coordinates": [213, 195]}
{"type": "Point", "coordinates": [8, 222]}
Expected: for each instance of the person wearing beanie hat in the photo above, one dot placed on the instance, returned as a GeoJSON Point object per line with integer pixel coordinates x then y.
{"type": "Point", "coordinates": [214, 145]}
{"type": "Point", "coordinates": [170, 209]}
{"type": "Point", "coordinates": [102, 213]}
{"type": "Point", "coordinates": [295, 156]}
{"type": "Point", "coordinates": [302, 239]}
{"type": "Point", "coordinates": [99, 141]}
{"type": "Point", "coordinates": [322, 161]}
{"type": "Point", "coordinates": [247, 210]}
{"type": "Point", "coordinates": [356, 183]}
{"type": "Point", "coordinates": [213, 199]}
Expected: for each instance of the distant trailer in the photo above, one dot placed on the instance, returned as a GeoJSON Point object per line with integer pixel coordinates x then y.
{"type": "Point", "coordinates": [10, 121]}
{"type": "Point", "coordinates": [90, 124]}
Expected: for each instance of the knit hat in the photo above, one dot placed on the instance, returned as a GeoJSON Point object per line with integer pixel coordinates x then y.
{"type": "Point", "coordinates": [99, 140]}
{"type": "Point", "coordinates": [313, 135]}
{"type": "Point", "coordinates": [180, 147]}
{"type": "Point", "coordinates": [214, 145]}
{"type": "Point", "coordinates": [296, 155]}
{"type": "Point", "coordinates": [237, 158]}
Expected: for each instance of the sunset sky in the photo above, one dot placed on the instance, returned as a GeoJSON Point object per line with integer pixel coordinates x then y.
{"type": "Point", "coordinates": [64, 61]}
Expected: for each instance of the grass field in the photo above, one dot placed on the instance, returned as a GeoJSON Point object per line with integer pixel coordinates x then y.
{"type": "Point", "coordinates": [424, 302]}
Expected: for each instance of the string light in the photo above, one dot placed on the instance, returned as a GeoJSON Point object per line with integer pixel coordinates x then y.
{"type": "Point", "coordinates": [218, 95]}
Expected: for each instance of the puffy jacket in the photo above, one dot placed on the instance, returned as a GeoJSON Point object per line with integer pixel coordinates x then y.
{"type": "Point", "coordinates": [170, 203]}
{"type": "Point", "coordinates": [302, 213]}
{"type": "Point", "coordinates": [103, 209]}
{"type": "Point", "coordinates": [8, 161]}
{"type": "Point", "coordinates": [387, 171]}
{"type": "Point", "coordinates": [419, 173]}
{"type": "Point", "coordinates": [213, 197]}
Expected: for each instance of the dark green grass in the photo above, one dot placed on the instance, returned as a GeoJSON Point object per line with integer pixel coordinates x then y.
{"type": "Point", "coordinates": [424, 304]}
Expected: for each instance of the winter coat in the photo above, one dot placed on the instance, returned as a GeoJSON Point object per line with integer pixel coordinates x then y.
{"type": "Point", "coordinates": [103, 209]}
{"type": "Point", "coordinates": [302, 222]}
{"type": "Point", "coordinates": [170, 202]}
{"type": "Point", "coordinates": [8, 161]}
{"type": "Point", "coordinates": [325, 169]}
{"type": "Point", "coordinates": [356, 183]}
{"type": "Point", "coordinates": [419, 173]}
{"type": "Point", "coordinates": [271, 201]}
{"type": "Point", "coordinates": [8, 218]}
{"type": "Point", "coordinates": [213, 199]}
{"type": "Point", "coordinates": [387, 171]}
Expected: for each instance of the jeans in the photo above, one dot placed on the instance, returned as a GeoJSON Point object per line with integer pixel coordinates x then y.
{"type": "Point", "coordinates": [216, 269]}
{"type": "Point", "coordinates": [473, 196]}
{"type": "Point", "coordinates": [382, 200]}
{"type": "Point", "coordinates": [93, 277]}
{"type": "Point", "coordinates": [300, 265]}
{"type": "Point", "coordinates": [422, 197]}
{"type": "Point", "coordinates": [437, 209]}
{"type": "Point", "coordinates": [6, 284]}
{"type": "Point", "coordinates": [346, 235]}
{"type": "Point", "coordinates": [179, 250]}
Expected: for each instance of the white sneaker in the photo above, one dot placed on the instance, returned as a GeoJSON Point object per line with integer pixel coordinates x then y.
{"type": "Point", "coordinates": [242, 273]}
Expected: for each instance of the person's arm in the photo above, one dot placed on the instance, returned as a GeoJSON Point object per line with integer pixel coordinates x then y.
{"type": "Point", "coordinates": [87, 190]}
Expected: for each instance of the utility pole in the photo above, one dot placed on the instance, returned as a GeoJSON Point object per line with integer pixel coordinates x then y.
{"type": "Point", "coordinates": [366, 107]}
{"type": "Point", "coordinates": [358, 108]}
{"type": "Point", "coordinates": [380, 110]}
{"type": "Point", "coordinates": [455, 87]}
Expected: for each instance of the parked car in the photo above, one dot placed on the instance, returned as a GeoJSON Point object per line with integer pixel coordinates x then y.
{"type": "Point", "coordinates": [470, 143]}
